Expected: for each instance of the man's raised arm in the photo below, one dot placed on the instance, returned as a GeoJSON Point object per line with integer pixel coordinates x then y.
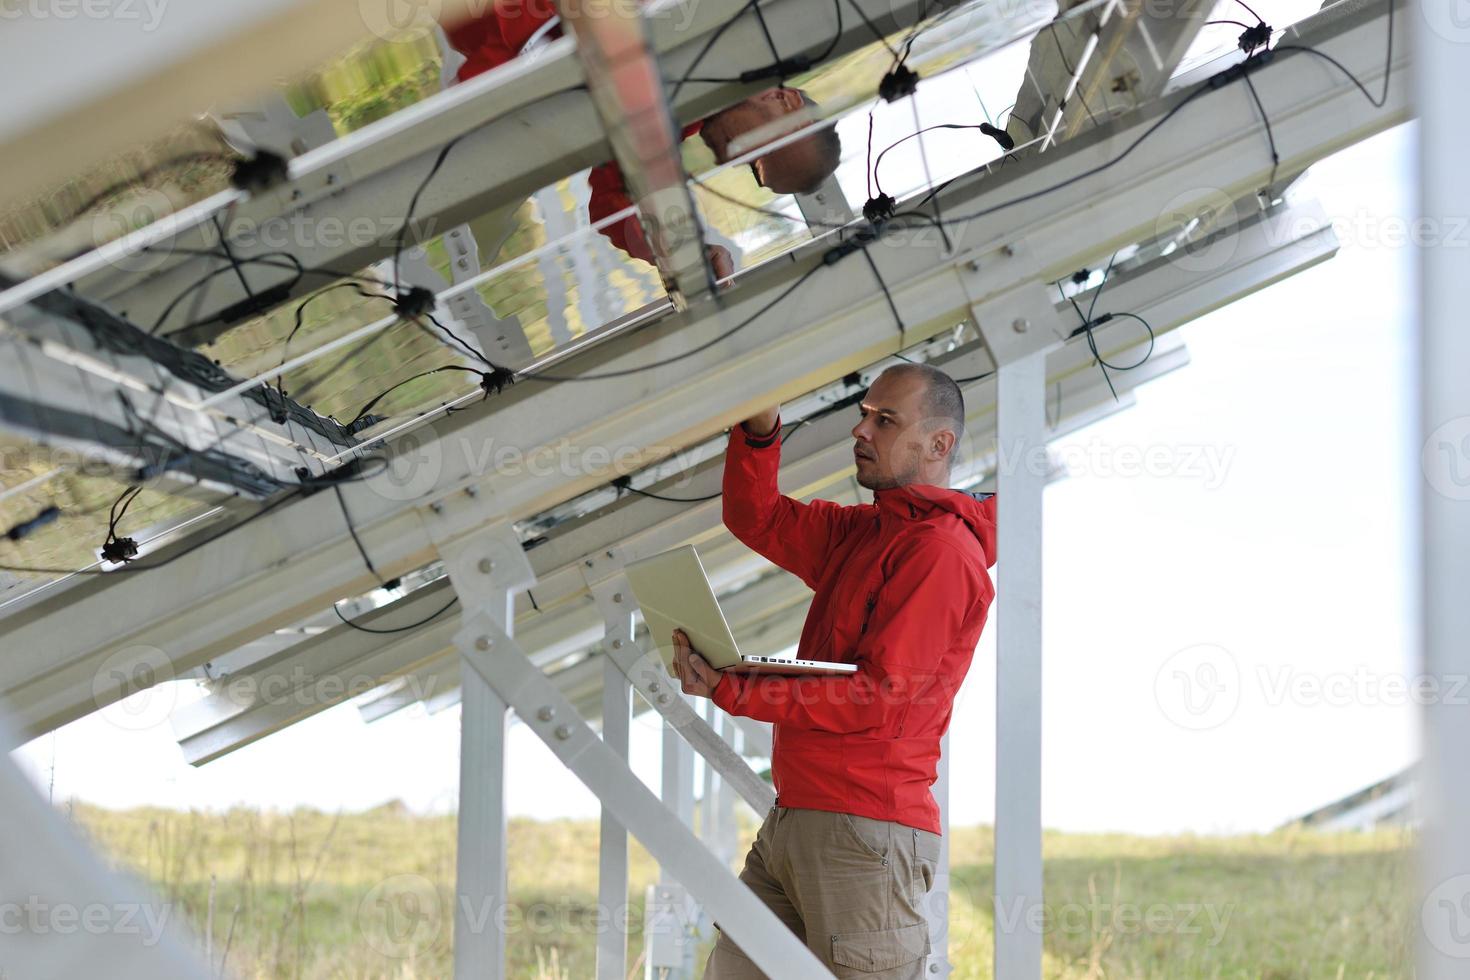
{"type": "Point", "coordinates": [795, 535]}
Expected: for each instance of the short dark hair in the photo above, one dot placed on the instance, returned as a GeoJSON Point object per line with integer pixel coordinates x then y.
{"type": "Point", "coordinates": [942, 397]}
{"type": "Point", "coordinates": [828, 146]}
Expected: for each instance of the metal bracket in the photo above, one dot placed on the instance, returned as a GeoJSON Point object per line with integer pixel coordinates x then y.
{"type": "Point", "coordinates": [494, 656]}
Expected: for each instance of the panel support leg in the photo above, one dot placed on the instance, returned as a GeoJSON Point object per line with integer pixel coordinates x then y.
{"type": "Point", "coordinates": [1442, 481]}
{"type": "Point", "coordinates": [1021, 441]}
{"type": "Point", "coordinates": [493, 653]}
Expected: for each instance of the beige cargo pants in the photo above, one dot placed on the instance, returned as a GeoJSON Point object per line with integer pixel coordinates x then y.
{"type": "Point", "coordinates": [852, 888]}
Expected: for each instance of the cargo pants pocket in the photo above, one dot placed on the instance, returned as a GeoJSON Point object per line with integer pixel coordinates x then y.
{"type": "Point", "coordinates": [899, 951]}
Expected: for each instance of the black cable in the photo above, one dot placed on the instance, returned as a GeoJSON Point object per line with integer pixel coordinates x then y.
{"type": "Point", "coordinates": [1270, 136]}
{"type": "Point", "coordinates": [1063, 55]}
{"type": "Point", "coordinates": [875, 32]}
{"type": "Point", "coordinates": [413, 205]}
{"type": "Point", "coordinates": [122, 185]}
{"type": "Point", "coordinates": [800, 281]}
{"type": "Point", "coordinates": [1387, 64]}
{"type": "Point", "coordinates": [301, 319]}
{"type": "Point", "coordinates": [888, 296]}
{"type": "Point", "coordinates": [342, 503]}
{"type": "Point", "coordinates": [999, 135]}
{"type": "Point", "coordinates": [398, 629]}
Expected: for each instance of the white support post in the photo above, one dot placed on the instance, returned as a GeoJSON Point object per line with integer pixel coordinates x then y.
{"type": "Point", "coordinates": [1021, 442]}
{"type": "Point", "coordinates": [612, 861]}
{"type": "Point", "coordinates": [1442, 478]}
{"type": "Point", "coordinates": [486, 579]}
{"type": "Point", "coordinates": [936, 903]}
{"type": "Point", "coordinates": [500, 662]}
{"type": "Point", "coordinates": [612, 866]}
{"type": "Point", "coordinates": [671, 916]}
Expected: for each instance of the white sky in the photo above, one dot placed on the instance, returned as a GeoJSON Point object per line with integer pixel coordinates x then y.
{"type": "Point", "coordinates": [1281, 565]}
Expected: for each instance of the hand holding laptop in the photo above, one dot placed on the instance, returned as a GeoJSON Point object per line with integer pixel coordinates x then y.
{"type": "Point", "coordinates": [694, 672]}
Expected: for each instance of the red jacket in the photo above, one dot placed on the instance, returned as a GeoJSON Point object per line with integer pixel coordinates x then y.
{"type": "Point", "coordinates": [498, 35]}
{"type": "Point", "coordinates": [902, 590]}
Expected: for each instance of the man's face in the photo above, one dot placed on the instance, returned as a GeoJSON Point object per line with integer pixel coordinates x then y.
{"type": "Point", "coordinates": [890, 439]}
{"type": "Point", "coordinates": [787, 170]}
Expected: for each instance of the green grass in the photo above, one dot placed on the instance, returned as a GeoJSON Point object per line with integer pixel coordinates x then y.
{"type": "Point", "coordinates": [309, 895]}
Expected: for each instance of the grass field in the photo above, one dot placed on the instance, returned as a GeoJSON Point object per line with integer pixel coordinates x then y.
{"type": "Point", "coordinates": [314, 895]}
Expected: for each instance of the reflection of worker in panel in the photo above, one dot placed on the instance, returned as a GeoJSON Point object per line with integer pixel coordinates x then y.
{"type": "Point", "coordinates": [846, 855]}
{"type": "Point", "coordinates": [799, 167]}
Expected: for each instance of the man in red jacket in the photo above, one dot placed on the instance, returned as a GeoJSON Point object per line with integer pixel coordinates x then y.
{"type": "Point", "coordinates": [499, 34]}
{"type": "Point", "coordinates": [846, 855]}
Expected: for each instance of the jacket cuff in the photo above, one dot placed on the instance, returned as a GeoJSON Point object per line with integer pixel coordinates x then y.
{"type": "Point", "coordinates": [724, 695]}
{"type": "Point", "coordinates": [764, 442]}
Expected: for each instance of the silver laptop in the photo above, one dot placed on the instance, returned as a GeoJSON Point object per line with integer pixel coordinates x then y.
{"type": "Point", "coordinates": [674, 593]}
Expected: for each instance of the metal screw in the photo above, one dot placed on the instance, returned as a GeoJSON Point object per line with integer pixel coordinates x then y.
{"type": "Point", "coordinates": [1020, 324]}
{"type": "Point", "coordinates": [472, 491]}
{"type": "Point", "coordinates": [653, 688]}
{"type": "Point", "coordinates": [973, 265]}
{"type": "Point", "coordinates": [933, 967]}
{"type": "Point", "coordinates": [617, 597]}
{"type": "Point", "coordinates": [484, 643]}
{"type": "Point", "coordinates": [486, 565]}
{"type": "Point", "coordinates": [588, 563]}
{"type": "Point", "coordinates": [1007, 251]}
{"type": "Point", "coordinates": [546, 712]}
{"type": "Point", "coordinates": [663, 699]}
{"type": "Point", "coordinates": [563, 732]}
{"type": "Point", "coordinates": [617, 644]}
{"type": "Point", "coordinates": [608, 553]}
{"type": "Point", "coordinates": [437, 507]}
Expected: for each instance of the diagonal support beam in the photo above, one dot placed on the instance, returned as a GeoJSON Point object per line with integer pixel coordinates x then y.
{"type": "Point", "coordinates": [493, 655]}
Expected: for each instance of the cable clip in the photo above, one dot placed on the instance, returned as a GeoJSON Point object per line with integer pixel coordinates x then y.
{"type": "Point", "coordinates": [260, 173]}
{"type": "Point", "coordinates": [1006, 140]}
{"type": "Point", "coordinates": [898, 84]}
{"type": "Point", "coordinates": [415, 302]}
{"type": "Point", "coordinates": [879, 209]}
{"type": "Point", "coordinates": [120, 551]}
{"type": "Point", "coordinates": [1255, 37]}
{"type": "Point", "coordinates": [495, 380]}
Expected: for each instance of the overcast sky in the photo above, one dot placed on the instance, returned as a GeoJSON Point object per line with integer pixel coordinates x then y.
{"type": "Point", "coordinates": [1225, 641]}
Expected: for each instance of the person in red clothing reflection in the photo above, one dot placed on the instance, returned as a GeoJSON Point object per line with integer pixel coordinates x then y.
{"type": "Point", "coordinates": [799, 167]}
{"type": "Point", "coordinates": [902, 587]}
